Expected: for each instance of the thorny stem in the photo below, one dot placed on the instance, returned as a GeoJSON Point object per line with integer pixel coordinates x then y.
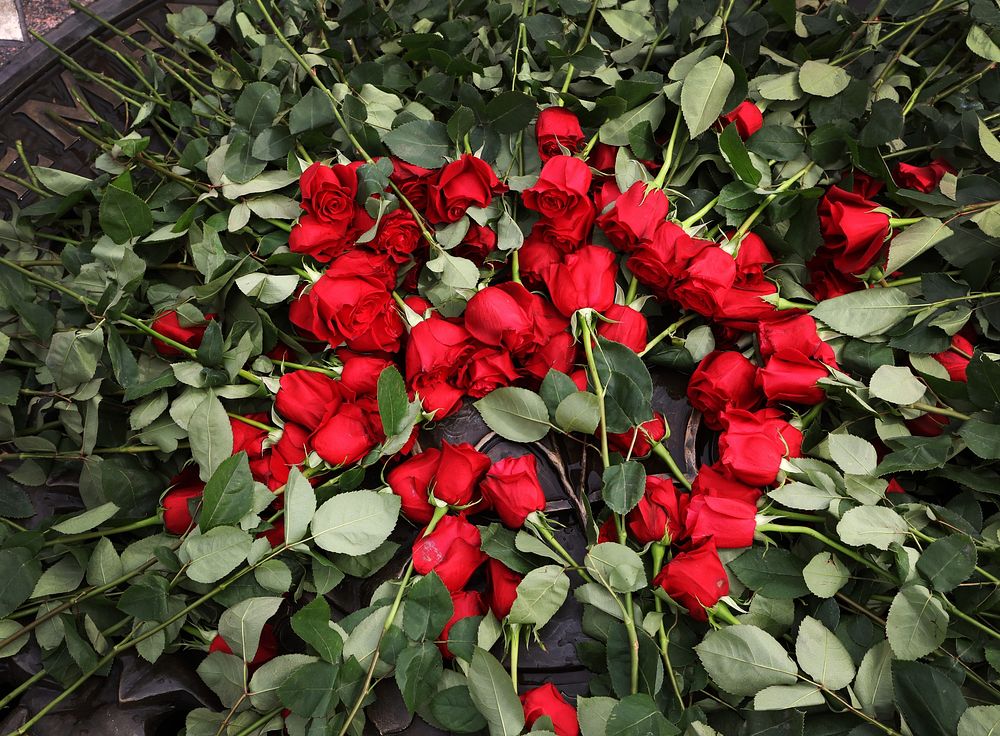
{"type": "Point", "coordinates": [657, 551]}
{"type": "Point", "coordinates": [595, 377]}
{"type": "Point", "coordinates": [785, 185]}
{"type": "Point", "coordinates": [669, 332]}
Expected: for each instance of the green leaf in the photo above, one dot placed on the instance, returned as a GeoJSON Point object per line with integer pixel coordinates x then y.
{"type": "Point", "coordinates": [915, 240]}
{"type": "Point", "coordinates": [863, 313]}
{"type": "Point", "coordinates": [418, 670]}
{"type": "Point", "coordinates": [853, 455]}
{"type": "Point", "coordinates": [510, 111]}
{"type": "Point", "coordinates": [314, 110]}
{"type": "Point", "coordinates": [257, 106]}
{"type": "Point", "coordinates": [239, 164]}
{"type": "Point", "coordinates": [420, 142]}
{"type": "Point", "coordinates": [267, 679]}
{"type": "Point", "coordinates": [623, 485]}
{"type": "Point", "coordinates": [223, 673]}
{"type": "Point", "coordinates": [104, 565]}
{"type": "Point", "coordinates": [228, 495]}
{"type": "Point", "coordinates": [615, 131]}
{"type": "Point", "coordinates": [123, 216]}
{"type": "Point", "coordinates": [917, 623]}
{"type": "Point", "coordinates": [211, 436]}
{"type": "Point", "coordinates": [393, 402]}
{"type": "Point", "coordinates": [309, 690]}
{"type": "Point", "coordinates": [822, 656]}
{"type": "Point", "coordinates": [980, 43]}
{"type": "Point", "coordinates": [980, 720]}
{"type": "Point", "coordinates": [897, 385]}
{"type": "Point", "coordinates": [494, 695]}
{"type": "Point", "coordinates": [639, 715]}
{"type": "Point", "coordinates": [628, 388]}
{"type": "Point", "coordinates": [704, 93]}
{"type": "Point", "coordinates": [539, 596]}
{"type": "Point", "coordinates": [215, 553]}
{"type": "Point", "coordinates": [593, 714]}
{"type": "Point", "coordinates": [872, 525]}
{"type": "Point", "coordinates": [885, 123]}
{"type": "Point", "coordinates": [616, 566]}
{"type": "Point", "coordinates": [629, 25]}
{"type": "Point", "coordinates": [779, 142]}
{"type": "Point", "coordinates": [242, 624]}
{"type": "Point", "coordinates": [312, 624]}
{"type": "Point", "coordinates": [61, 182]}
{"type": "Point", "coordinates": [300, 506]}
{"type": "Point", "coordinates": [772, 572]}
{"type": "Point", "coordinates": [21, 571]}
{"type": "Point", "coordinates": [744, 659]}
{"type": "Point", "coordinates": [516, 414]}
{"type": "Point", "coordinates": [355, 523]}
{"type": "Point", "coordinates": [735, 151]}
{"type": "Point", "coordinates": [62, 577]}
{"type": "Point", "coordinates": [983, 373]}
{"type": "Point", "coordinates": [917, 453]}
{"type": "Point", "coordinates": [822, 80]}
{"type": "Point", "coordinates": [784, 697]}
{"type": "Point", "coordinates": [948, 562]}
{"type": "Point", "coordinates": [981, 436]}
{"type": "Point", "coordinates": [454, 710]}
{"type": "Point", "coordinates": [579, 412]}
{"type": "Point", "coordinates": [268, 288]}
{"type": "Point", "coordinates": [555, 387]}
{"type": "Point", "coordinates": [428, 608]}
{"type": "Point", "coordinates": [72, 357]}
{"type": "Point", "coordinates": [825, 574]}
{"type": "Point", "coordinates": [873, 685]}
{"type": "Point", "coordinates": [87, 520]}
{"type": "Point", "coordinates": [804, 496]}
{"type": "Point", "coordinates": [7, 629]}
{"type": "Point", "coordinates": [927, 696]}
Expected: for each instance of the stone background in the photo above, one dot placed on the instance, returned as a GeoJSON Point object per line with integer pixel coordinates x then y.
{"type": "Point", "coordinates": [19, 17]}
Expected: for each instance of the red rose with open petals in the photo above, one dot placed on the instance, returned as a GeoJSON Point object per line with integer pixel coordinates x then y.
{"type": "Point", "coordinates": [853, 234]}
{"type": "Point", "coordinates": [794, 333]}
{"type": "Point", "coordinates": [169, 325]}
{"type": "Point", "coordinates": [695, 578]}
{"type": "Point", "coordinates": [465, 604]}
{"type": "Point", "coordinates": [345, 436]}
{"type": "Point", "coordinates": [558, 353]}
{"type": "Point", "coordinates": [468, 182]}
{"type": "Point", "coordinates": [639, 440]}
{"type": "Point", "coordinates": [412, 181]}
{"type": "Point", "coordinates": [545, 700]}
{"type": "Point", "coordinates": [305, 397]}
{"type": "Point", "coordinates": [634, 216]}
{"type": "Point", "coordinates": [459, 470]}
{"type": "Point", "coordinates": [451, 550]}
{"type": "Point", "coordinates": [923, 178]}
{"type": "Point", "coordinates": [511, 488]}
{"type": "Point", "coordinates": [714, 480]}
{"type": "Point", "coordinates": [333, 219]}
{"type": "Point", "coordinates": [411, 480]}
{"type": "Point", "coordinates": [754, 443]}
{"type": "Point", "coordinates": [398, 235]}
{"type": "Point", "coordinates": [707, 279]}
{"type": "Point", "coordinates": [356, 310]}
{"type": "Point", "coordinates": [502, 589]}
{"type": "Point", "coordinates": [747, 118]}
{"type": "Point", "coordinates": [724, 380]}
{"type": "Point", "coordinates": [561, 190]}
{"type": "Point", "coordinates": [659, 515]}
{"type": "Point", "coordinates": [558, 128]}
{"type": "Point", "coordinates": [486, 370]}
{"type": "Point", "coordinates": [627, 326]}
{"type": "Point", "coordinates": [729, 522]}
{"type": "Point", "coordinates": [176, 509]}
{"type": "Point", "coordinates": [535, 258]}
{"type": "Point", "coordinates": [500, 316]}
{"type": "Point", "coordinates": [584, 279]}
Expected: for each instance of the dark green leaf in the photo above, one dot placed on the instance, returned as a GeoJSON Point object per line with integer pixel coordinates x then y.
{"type": "Point", "coordinates": [928, 697]}
{"type": "Point", "coordinates": [124, 216]}
{"type": "Point", "coordinates": [428, 608]}
{"type": "Point", "coordinates": [511, 111]}
{"type": "Point", "coordinates": [392, 400]}
{"type": "Point", "coordinates": [984, 381]}
{"type": "Point", "coordinates": [312, 624]}
{"type": "Point", "coordinates": [308, 691]}
{"type": "Point", "coordinates": [257, 106]}
{"type": "Point", "coordinates": [314, 110]}
{"type": "Point", "coordinates": [772, 572]}
{"type": "Point", "coordinates": [627, 384]}
{"type": "Point", "coordinates": [736, 154]}
{"type": "Point", "coordinates": [639, 715]}
{"type": "Point", "coordinates": [21, 571]}
{"type": "Point", "coordinates": [228, 494]}
{"type": "Point", "coordinates": [418, 670]}
{"type": "Point", "coordinates": [948, 562]}
{"type": "Point", "coordinates": [420, 142]}
{"type": "Point", "coordinates": [454, 710]}
{"type": "Point", "coordinates": [777, 141]}
{"type": "Point", "coordinates": [623, 486]}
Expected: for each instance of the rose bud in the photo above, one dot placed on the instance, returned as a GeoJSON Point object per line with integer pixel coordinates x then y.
{"type": "Point", "coordinates": [451, 550]}
{"type": "Point", "coordinates": [557, 128]}
{"type": "Point", "coordinates": [562, 190]}
{"type": "Point", "coordinates": [169, 325]}
{"type": "Point", "coordinates": [634, 216]}
{"type": "Point", "coordinates": [923, 178]}
{"type": "Point", "coordinates": [658, 517]}
{"type": "Point", "coordinates": [360, 373]}
{"type": "Point", "coordinates": [955, 360]}
{"type": "Point", "coordinates": [306, 397]}
{"type": "Point", "coordinates": [602, 158]}
{"type": "Point", "coordinates": [639, 440]}
{"type": "Point", "coordinates": [729, 522]}
{"type": "Point", "coordinates": [547, 701]}
{"type": "Point", "coordinates": [502, 589]}
{"type": "Point", "coordinates": [585, 279]}
{"type": "Point", "coordinates": [176, 509]}
{"type": "Point", "coordinates": [754, 443]}
{"type": "Point", "coordinates": [853, 235]}
{"type": "Point", "coordinates": [627, 326]}
{"type": "Point", "coordinates": [499, 316]}
{"type": "Point", "coordinates": [707, 280]}
{"type": "Point", "coordinates": [795, 333]}
{"type": "Point", "coordinates": [468, 182]}
{"type": "Point", "coordinates": [723, 380]}
{"type": "Point", "coordinates": [411, 480]}
{"type": "Point", "coordinates": [267, 647]}
{"type": "Point", "coordinates": [344, 437]}
{"type": "Point", "coordinates": [511, 488]}
{"type": "Point", "coordinates": [460, 468]}
{"type": "Point", "coordinates": [358, 263]}
{"type": "Point", "coordinates": [713, 480]}
{"type": "Point", "coordinates": [465, 603]}
{"type": "Point", "coordinates": [792, 377]}
{"type": "Point", "coordinates": [695, 578]}
{"type": "Point", "coordinates": [746, 116]}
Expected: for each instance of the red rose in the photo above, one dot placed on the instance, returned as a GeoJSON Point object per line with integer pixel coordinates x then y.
{"type": "Point", "coordinates": [751, 256]}
{"type": "Point", "coordinates": [501, 316]}
{"type": "Point", "coordinates": [333, 219]}
{"type": "Point", "coordinates": [708, 278]}
{"type": "Point", "coordinates": [866, 186]}
{"type": "Point", "coordinates": [358, 262]}
{"type": "Point", "coordinates": [460, 469]}
{"type": "Point", "coordinates": [695, 578]}
{"type": "Point", "coordinates": [502, 588]}
{"type": "Point", "coordinates": [638, 440]}
{"type": "Point", "coordinates": [627, 326]}
{"type": "Point", "coordinates": [275, 536]}
{"type": "Point", "coordinates": [398, 235]}
{"type": "Point", "coordinates": [743, 306]}
{"type": "Point", "coordinates": [928, 425]}
{"type": "Point", "coordinates": [663, 259]}
{"type": "Point", "coordinates": [634, 216]}
{"type": "Point", "coordinates": [412, 182]}
{"type": "Point", "coordinates": [344, 437]}
{"type": "Point", "coordinates": [545, 700]}
{"type": "Point", "coordinates": [795, 333]}
{"type": "Point", "coordinates": [796, 358]}
{"type": "Point", "coordinates": [267, 647]}
{"type": "Point", "coordinates": [468, 182]}
{"type": "Point", "coordinates": [247, 437]}
{"type": "Point", "coordinates": [729, 522]}
{"type": "Point", "coordinates": [659, 513]}
{"type": "Point", "coordinates": [561, 191]}
{"type": "Point", "coordinates": [360, 373]}
{"type": "Point", "coordinates": [956, 359]}
{"type": "Point", "coordinates": [853, 234]}
{"type": "Point", "coordinates": [714, 480]}
{"type": "Point", "coordinates": [169, 325]}
{"type": "Point", "coordinates": [565, 235]}
{"type": "Point", "coordinates": [288, 452]}
{"type": "Point", "coordinates": [486, 370]}
{"type": "Point", "coordinates": [923, 178]}
{"type": "Point", "coordinates": [584, 279]}
{"type": "Point", "coordinates": [356, 310]}
{"type": "Point", "coordinates": [558, 353]}
{"type": "Point", "coordinates": [435, 354]}
{"type": "Point", "coordinates": [754, 443]}
{"type": "Point", "coordinates": [305, 397]}
{"type": "Point", "coordinates": [724, 380]}
{"type": "Point", "coordinates": [411, 480]}
{"type": "Point", "coordinates": [451, 550]}
{"type": "Point", "coordinates": [607, 531]}
{"type": "Point", "coordinates": [828, 282]}
{"type": "Point", "coordinates": [602, 158]}
{"type": "Point", "coordinates": [535, 258]}
{"type": "Point", "coordinates": [557, 128]}
{"type": "Point", "coordinates": [894, 487]}
{"type": "Point", "coordinates": [465, 603]}
{"type": "Point", "coordinates": [512, 489]}
{"type": "Point", "coordinates": [746, 116]}
{"type": "Point", "coordinates": [478, 243]}
{"type": "Point", "coordinates": [176, 509]}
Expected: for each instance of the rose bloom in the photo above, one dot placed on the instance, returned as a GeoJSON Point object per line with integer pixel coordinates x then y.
{"type": "Point", "coordinates": [169, 325]}
{"type": "Point", "coordinates": [747, 118]}
{"type": "Point", "coordinates": [511, 488]}
{"type": "Point", "coordinates": [360, 373]}
{"type": "Point", "coordinates": [333, 219]}
{"type": "Point", "coordinates": [487, 369]}
{"type": "Point", "coordinates": [535, 258]}
{"type": "Point", "coordinates": [559, 353]}
{"type": "Point", "coordinates": [306, 397]}
{"type": "Point", "coordinates": [176, 509]}
{"type": "Point", "coordinates": [558, 128]}
{"type": "Point", "coordinates": [451, 551]}
{"type": "Point", "coordinates": [659, 515]}
{"type": "Point", "coordinates": [502, 588]}
{"type": "Point", "coordinates": [501, 316]}
{"type": "Point", "coordinates": [853, 235]}
{"type": "Point", "coordinates": [635, 215]}
{"type": "Point", "coordinates": [663, 260]}
{"type": "Point", "coordinates": [714, 480]}
{"type": "Point", "coordinates": [639, 440]}
{"type": "Point", "coordinates": [723, 380]}
{"type": "Point", "coordinates": [923, 178]}
{"type": "Point", "coordinates": [602, 158]}
{"type": "Point", "coordinates": [607, 531]}
{"type": "Point", "coordinates": [754, 443]}
{"type": "Point", "coordinates": [358, 311]}
{"type": "Point", "coordinates": [398, 235]}
{"type": "Point", "coordinates": [625, 325]}
{"type": "Point", "coordinates": [955, 362]}
{"type": "Point", "coordinates": [465, 603]}
{"type": "Point", "coordinates": [412, 182]}
{"type": "Point", "coordinates": [435, 354]}
{"type": "Point", "coordinates": [468, 182]}
{"type": "Point", "coordinates": [708, 278]}
{"type": "Point", "coordinates": [584, 279]}
{"type": "Point", "coordinates": [411, 481]}
{"type": "Point", "coordinates": [345, 436]}
{"type": "Point", "coordinates": [267, 647]}
{"type": "Point", "coordinates": [561, 190]}
{"type": "Point", "coordinates": [729, 522]}
{"type": "Point", "coordinates": [695, 578]}
{"type": "Point", "coordinates": [460, 469]}
{"type": "Point", "coordinates": [288, 452]}
{"type": "Point", "coordinates": [545, 700]}
{"type": "Point", "coordinates": [478, 243]}
{"type": "Point", "coordinates": [796, 358]}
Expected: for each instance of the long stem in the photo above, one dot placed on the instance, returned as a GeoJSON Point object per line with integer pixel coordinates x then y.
{"type": "Point", "coordinates": [595, 377]}
{"type": "Point", "coordinates": [809, 532]}
{"type": "Point", "coordinates": [141, 524]}
{"type": "Point", "coordinates": [700, 213]}
{"type": "Point", "coordinates": [785, 185]}
{"type": "Point", "coordinates": [657, 552]}
{"type": "Point", "coordinates": [943, 411]}
{"type": "Point", "coordinates": [515, 641]}
{"type": "Point", "coordinates": [664, 454]}
{"type": "Point", "coordinates": [669, 332]}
